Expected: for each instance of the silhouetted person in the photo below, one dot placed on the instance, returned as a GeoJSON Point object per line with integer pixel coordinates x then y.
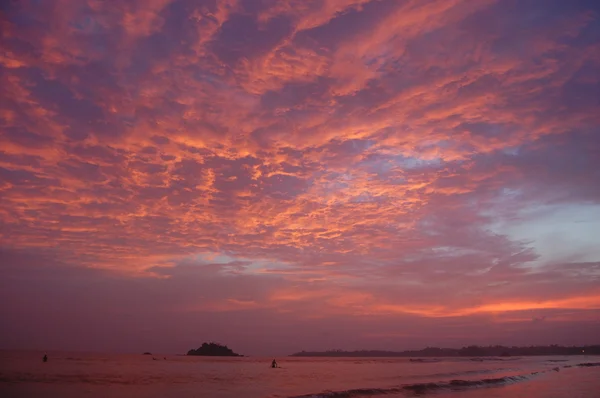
{"type": "Point", "coordinates": [274, 364]}
{"type": "Point", "coordinates": [45, 359]}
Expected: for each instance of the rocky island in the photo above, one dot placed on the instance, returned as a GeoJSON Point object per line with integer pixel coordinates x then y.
{"type": "Point", "coordinates": [213, 350]}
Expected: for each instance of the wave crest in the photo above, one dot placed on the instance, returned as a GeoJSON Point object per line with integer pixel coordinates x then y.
{"type": "Point", "coordinates": [421, 388]}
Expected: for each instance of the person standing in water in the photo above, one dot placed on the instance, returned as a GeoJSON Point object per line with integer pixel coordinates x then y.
{"type": "Point", "coordinates": [45, 359]}
{"type": "Point", "coordinates": [274, 364]}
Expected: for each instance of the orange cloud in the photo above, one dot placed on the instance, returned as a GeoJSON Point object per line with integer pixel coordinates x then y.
{"type": "Point", "coordinates": [343, 148]}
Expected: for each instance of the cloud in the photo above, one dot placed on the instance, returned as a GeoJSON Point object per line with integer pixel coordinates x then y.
{"type": "Point", "coordinates": [401, 160]}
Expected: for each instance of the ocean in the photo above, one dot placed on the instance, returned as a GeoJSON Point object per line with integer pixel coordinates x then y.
{"type": "Point", "coordinates": [70, 375]}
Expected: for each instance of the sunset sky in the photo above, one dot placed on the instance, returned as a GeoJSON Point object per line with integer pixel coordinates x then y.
{"type": "Point", "coordinates": [280, 175]}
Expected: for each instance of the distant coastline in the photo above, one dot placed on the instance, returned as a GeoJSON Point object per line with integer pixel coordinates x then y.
{"type": "Point", "coordinates": [213, 350]}
{"type": "Point", "coordinates": [470, 351]}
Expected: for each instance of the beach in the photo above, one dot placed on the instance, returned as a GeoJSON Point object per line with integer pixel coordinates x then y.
{"type": "Point", "coordinates": [572, 383]}
{"type": "Point", "coordinates": [70, 375]}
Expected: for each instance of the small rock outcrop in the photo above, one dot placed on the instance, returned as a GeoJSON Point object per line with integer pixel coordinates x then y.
{"type": "Point", "coordinates": [213, 350]}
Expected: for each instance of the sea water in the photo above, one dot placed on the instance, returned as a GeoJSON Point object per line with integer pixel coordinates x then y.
{"type": "Point", "coordinates": [70, 375]}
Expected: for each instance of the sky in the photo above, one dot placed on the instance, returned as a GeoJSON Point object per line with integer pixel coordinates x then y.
{"type": "Point", "coordinates": [286, 175]}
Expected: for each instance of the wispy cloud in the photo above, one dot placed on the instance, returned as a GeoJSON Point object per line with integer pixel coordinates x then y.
{"type": "Point", "coordinates": [339, 159]}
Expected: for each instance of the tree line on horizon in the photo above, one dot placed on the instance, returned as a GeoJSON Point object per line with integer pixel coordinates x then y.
{"type": "Point", "coordinates": [469, 351]}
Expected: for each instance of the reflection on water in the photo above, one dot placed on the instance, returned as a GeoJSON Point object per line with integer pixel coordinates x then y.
{"type": "Point", "coordinates": [95, 375]}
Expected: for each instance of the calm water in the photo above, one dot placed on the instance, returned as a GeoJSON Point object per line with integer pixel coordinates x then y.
{"type": "Point", "coordinates": [67, 375]}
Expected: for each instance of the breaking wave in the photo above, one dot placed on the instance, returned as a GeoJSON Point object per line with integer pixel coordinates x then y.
{"type": "Point", "coordinates": [422, 388]}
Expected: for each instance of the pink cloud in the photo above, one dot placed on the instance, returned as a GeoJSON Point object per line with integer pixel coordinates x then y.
{"type": "Point", "coordinates": [338, 161]}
